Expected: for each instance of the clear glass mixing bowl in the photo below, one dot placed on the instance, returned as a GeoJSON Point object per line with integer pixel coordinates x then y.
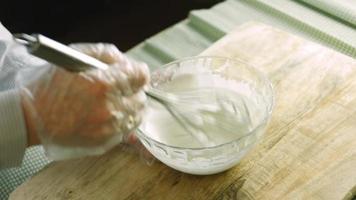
{"type": "Point", "coordinates": [213, 159]}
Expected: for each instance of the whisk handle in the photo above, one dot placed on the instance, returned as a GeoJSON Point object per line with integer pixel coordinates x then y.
{"type": "Point", "coordinates": [161, 97]}
{"type": "Point", "coordinates": [57, 53]}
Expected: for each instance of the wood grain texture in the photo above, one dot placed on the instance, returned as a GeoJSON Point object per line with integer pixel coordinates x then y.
{"type": "Point", "coordinates": [308, 151]}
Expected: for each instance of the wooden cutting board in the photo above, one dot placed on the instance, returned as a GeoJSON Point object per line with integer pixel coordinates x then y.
{"type": "Point", "coordinates": [308, 151]}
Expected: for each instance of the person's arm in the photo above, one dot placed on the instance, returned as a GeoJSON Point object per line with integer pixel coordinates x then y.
{"type": "Point", "coordinates": [73, 114]}
{"type": "Point", "coordinates": [13, 139]}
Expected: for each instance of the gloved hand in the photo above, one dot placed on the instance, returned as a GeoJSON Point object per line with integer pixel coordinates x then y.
{"type": "Point", "coordinates": [87, 113]}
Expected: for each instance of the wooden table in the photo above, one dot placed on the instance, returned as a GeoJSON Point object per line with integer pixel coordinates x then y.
{"type": "Point", "coordinates": [308, 151]}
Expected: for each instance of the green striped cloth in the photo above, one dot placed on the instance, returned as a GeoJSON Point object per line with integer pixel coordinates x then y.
{"type": "Point", "coordinates": [344, 10]}
{"type": "Point", "coordinates": [203, 27]}
{"type": "Point", "coordinates": [329, 22]}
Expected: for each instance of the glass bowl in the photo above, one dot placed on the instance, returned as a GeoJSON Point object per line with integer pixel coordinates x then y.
{"type": "Point", "coordinates": [218, 158]}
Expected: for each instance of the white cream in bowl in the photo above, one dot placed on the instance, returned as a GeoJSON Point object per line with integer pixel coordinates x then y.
{"type": "Point", "coordinates": [226, 134]}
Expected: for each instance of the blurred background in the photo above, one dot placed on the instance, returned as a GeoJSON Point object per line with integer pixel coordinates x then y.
{"type": "Point", "coordinates": [124, 23]}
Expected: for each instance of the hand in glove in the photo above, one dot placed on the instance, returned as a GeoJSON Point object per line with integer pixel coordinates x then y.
{"type": "Point", "coordinates": [87, 113]}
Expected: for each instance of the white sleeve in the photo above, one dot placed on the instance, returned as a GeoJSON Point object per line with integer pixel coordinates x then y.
{"type": "Point", "coordinates": [13, 137]}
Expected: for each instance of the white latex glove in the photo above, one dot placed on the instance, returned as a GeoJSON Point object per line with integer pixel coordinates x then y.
{"type": "Point", "coordinates": [87, 113]}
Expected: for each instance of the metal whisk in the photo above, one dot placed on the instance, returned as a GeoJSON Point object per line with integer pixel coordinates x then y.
{"type": "Point", "coordinates": [62, 55]}
{"type": "Point", "coordinates": [200, 110]}
{"type": "Point", "coordinates": [184, 106]}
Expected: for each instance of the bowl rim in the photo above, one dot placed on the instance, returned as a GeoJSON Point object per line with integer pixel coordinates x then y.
{"type": "Point", "coordinates": [141, 133]}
